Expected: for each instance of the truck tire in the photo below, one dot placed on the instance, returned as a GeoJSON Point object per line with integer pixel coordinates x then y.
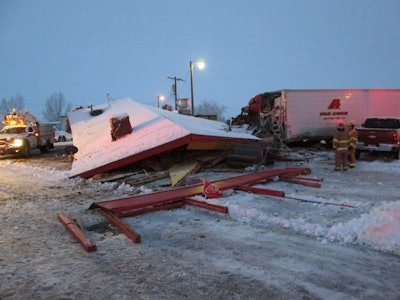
{"type": "Point", "coordinates": [26, 150]}
{"type": "Point", "coordinates": [397, 154]}
{"type": "Point", "coordinates": [358, 154]}
{"type": "Point", "coordinates": [46, 147]}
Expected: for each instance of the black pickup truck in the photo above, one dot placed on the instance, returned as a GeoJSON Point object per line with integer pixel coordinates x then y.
{"type": "Point", "coordinates": [379, 135]}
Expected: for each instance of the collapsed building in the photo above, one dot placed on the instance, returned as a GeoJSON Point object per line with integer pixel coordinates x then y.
{"type": "Point", "coordinates": [123, 132]}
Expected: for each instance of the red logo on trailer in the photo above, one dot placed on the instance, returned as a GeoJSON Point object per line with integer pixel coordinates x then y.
{"type": "Point", "coordinates": [335, 104]}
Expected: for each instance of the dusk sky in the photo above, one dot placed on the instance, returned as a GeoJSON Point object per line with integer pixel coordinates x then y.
{"type": "Point", "coordinates": [88, 48]}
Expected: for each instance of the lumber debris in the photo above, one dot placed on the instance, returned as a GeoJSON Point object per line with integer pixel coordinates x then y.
{"type": "Point", "coordinates": [178, 172]}
{"type": "Point", "coordinates": [77, 232]}
{"type": "Point", "coordinates": [121, 225]}
{"type": "Point", "coordinates": [148, 177]}
{"type": "Point", "coordinates": [207, 205]}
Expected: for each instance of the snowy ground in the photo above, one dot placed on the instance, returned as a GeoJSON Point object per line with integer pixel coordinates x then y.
{"type": "Point", "coordinates": [265, 248]}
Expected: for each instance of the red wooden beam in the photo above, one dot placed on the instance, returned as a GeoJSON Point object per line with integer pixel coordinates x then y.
{"type": "Point", "coordinates": [301, 180]}
{"type": "Point", "coordinates": [121, 225]}
{"type": "Point", "coordinates": [77, 233]}
{"type": "Point", "coordinates": [140, 211]}
{"type": "Point", "coordinates": [206, 205]}
{"type": "Point", "coordinates": [118, 206]}
{"type": "Point", "coordinates": [261, 191]}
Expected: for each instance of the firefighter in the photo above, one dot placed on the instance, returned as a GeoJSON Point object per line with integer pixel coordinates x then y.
{"type": "Point", "coordinates": [341, 147]}
{"type": "Point", "coordinates": [353, 135]}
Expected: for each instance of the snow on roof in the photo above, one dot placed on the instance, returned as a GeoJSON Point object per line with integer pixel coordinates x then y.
{"type": "Point", "coordinates": [153, 131]}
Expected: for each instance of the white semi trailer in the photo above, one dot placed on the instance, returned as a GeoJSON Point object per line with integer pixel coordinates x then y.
{"type": "Point", "coordinates": [296, 115]}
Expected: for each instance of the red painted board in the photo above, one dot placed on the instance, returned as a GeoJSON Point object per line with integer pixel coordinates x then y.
{"type": "Point", "coordinates": [77, 233]}
{"type": "Point", "coordinates": [140, 201]}
{"type": "Point", "coordinates": [121, 225]}
{"type": "Point", "coordinates": [261, 191]}
{"type": "Point", "coordinates": [206, 205]}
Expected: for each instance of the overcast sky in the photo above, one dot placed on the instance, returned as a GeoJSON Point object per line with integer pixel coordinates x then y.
{"type": "Point", "coordinates": [88, 48]}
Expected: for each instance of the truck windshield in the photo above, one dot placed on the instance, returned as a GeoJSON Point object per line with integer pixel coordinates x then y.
{"type": "Point", "coordinates": [13, 130]}
{"type": "Point", "coordinates": [382, 123]}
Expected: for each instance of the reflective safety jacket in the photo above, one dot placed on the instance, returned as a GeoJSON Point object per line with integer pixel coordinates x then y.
{"type": "Point", "coordinates": [341, 141]}
{"type": "Point", "coordinates": [353, 138]}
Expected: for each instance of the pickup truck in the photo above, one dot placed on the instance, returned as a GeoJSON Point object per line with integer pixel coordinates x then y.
{"type": "Point", "coordinates": [21, 139]}
{"type": "Point", "coordinates": [379, 135]}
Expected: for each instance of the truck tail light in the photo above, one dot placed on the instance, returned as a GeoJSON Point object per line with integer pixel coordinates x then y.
{"type": "Point", "coordinates": [395, 137]}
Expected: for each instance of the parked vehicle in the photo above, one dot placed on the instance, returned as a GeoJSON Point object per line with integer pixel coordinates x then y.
{"type": "Point", "coordinates": [62, 136]}
{"type": "Point", "coordinates": [298, 115]}
{"type": "Point", "coordinates": [379, 135]}
{"type": "Point", "coordinates": [22, 133]}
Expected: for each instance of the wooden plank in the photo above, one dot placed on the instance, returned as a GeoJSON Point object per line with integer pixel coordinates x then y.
{"type": "Point", "coordinates": [121, 225]}
{"type": "Point", "coordinates": [206, 205]}
{"type": "Point", "coordinates": [145, 200]}
{"type": "Point", "coordinates": [77, 233]}
{"type": "Point", "coordinates": [303, 181]}
{"type": "Point", "coordinates": [144, 210]}
{"type": "Point", "coordinates": [180, 171]}
{"type": "Point", "coordinates": [260, 191]}
{"type": "Point", "coordinates": [105, 177]}
{"type": "Point", "coordinates": [147, 178]}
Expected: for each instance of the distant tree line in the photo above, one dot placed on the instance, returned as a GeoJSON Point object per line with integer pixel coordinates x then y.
{"type": "Point", "coordinates": [55, 106]}
{"type": "Point", "coordinates": [207, 107]}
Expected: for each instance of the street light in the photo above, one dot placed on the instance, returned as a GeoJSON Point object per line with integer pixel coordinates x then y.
{"type": "Point", "coordinates": [200, 65]}
{"type": "Point", "coordinates": [160, 98]}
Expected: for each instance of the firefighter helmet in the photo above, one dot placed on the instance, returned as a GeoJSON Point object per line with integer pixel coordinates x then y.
{"type": "Point", "coordinates": [340, 126]}
{"type": "Point", "coordinates": [350, 123]}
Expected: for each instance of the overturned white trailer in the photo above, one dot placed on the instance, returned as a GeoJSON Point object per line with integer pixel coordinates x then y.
{"type": "Point", "coordinates": [296, 115]}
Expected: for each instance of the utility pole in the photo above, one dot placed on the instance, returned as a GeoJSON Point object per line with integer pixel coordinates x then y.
{"type": "Point", "coordinates": [175, 93]}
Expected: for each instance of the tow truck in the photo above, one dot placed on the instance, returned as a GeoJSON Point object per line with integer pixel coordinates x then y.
{"type": "Point", "coordinates": [22, 133]}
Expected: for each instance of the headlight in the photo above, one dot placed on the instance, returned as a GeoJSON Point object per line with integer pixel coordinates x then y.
{"type": "Point", "coordinates": [18, 143]}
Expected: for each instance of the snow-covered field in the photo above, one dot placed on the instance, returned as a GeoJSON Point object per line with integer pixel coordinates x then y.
{"type": "Point", "coordinates": [343, 242]}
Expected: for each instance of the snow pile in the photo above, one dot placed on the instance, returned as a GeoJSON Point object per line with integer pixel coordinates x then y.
{"type": "Point", "coordinates": [378, 228]}
{"type": "Point", "coordinates": [51, 175]}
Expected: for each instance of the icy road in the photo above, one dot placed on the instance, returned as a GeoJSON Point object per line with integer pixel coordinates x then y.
{"type": "Point", "coordinates": [264, 248]}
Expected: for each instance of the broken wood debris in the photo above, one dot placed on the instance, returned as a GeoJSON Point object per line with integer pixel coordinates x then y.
{"type": "Point", "coordinates": [244, 155]}
{"type": "Point", "coordinates": [312, 182]}
{"type": "Point", "coordinates": [146, 178]}
{"type": "Point", "coordinates": [113, 210]}
{"type": "Point", "coordinates": [77, 232]}
{"type": "Point", "coordinates": [207, 205]}
{"type": "Point", "coordinates": [121, 225]}
{"type": "Point", "coordinates": [261, 191]}
{"type": "Point", "coordinates": [159, 197]}
{"type": "Point", "coordinates": [178, 172]}
{"type": "Point", "coordinates": [105, 177]}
